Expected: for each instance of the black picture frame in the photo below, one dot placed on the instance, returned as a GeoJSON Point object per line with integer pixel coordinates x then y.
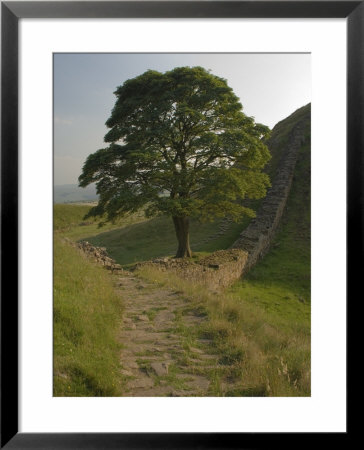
{"type": "Point", "coordinates": [11, 12]}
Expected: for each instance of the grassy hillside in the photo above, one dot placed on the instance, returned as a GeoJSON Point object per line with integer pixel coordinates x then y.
{"type": "Point", "coordinates": [135, 238]}
{"type": "Point", "coordinates": [87, 315]}
{"type": "Point", "coordinates": [156, 238]}
{"type": "Point", "coordinates": [66, 217]}
{"type": "Point", "coordinates": [280, 135]}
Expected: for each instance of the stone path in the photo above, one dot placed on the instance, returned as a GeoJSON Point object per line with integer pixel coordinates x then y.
{"type": "Point", "coordinates": [161, 355]}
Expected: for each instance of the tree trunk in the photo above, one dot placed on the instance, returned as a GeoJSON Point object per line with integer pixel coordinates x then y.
{"type": "Point", "coordinates": [182, 226]}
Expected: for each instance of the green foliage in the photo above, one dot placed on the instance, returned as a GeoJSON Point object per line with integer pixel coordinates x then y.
{"type": "Point", "coordinates": [180, 145]}
{"type": "Point", "coordinates": [87, 317]}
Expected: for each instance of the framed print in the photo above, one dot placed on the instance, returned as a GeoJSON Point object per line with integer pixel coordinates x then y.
{"type": "Point", "coordinates": [66, 381]}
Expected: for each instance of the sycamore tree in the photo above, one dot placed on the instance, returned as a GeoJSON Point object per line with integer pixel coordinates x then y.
{"type": "Point", "coordinates": [179, 145]}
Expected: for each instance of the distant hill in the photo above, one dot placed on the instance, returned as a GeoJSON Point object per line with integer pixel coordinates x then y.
{"type": "Point", "coordinates": [69, 193]}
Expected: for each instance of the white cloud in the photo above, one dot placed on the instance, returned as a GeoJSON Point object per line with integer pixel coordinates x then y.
{"type": "Point", "coordinates": [62, 121]}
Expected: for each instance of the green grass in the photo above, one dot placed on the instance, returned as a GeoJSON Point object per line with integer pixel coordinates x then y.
{"type": "Point", "coordinates": [172, 379]}
{"type": "Point", "coordinates": [87, 318]}
{"type": "Point", "coordinates": [135, 238]}
{"type": "Point", "coordinates": [156, 238]}
{"type": "Point", "coordinates": [66, 217]}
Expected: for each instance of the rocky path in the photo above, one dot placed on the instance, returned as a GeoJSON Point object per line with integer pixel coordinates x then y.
{"type": "Point", "coordinates": [162, 355]}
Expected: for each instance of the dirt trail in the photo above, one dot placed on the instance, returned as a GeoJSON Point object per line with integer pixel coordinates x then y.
{"type": "Point", "coordinates": [159, 356]}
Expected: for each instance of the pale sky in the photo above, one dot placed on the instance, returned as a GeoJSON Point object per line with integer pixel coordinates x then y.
{"type": "Point", "coordinates": [270, 87]}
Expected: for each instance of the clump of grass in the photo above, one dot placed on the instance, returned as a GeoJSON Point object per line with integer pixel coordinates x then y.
{"type": "Point", "coordinates": [87, 318]}
{"type": "Point", "coordinates": [172, 379]}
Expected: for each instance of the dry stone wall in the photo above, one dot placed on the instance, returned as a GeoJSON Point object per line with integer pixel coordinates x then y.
{"type": "Point", "coordinates": [215, 271]}
{"type": "Point", "coordinates": [97, 254]}
{"type": "Point", "coordinates": [256, 238]}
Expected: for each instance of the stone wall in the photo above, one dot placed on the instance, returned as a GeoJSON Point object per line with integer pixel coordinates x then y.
{"type": "Point", "coordinates": [256, 238]}
{"type": "Point", "coordinates": [97, 254]}
{"type": "Point", "coordinates": [217, 270]}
